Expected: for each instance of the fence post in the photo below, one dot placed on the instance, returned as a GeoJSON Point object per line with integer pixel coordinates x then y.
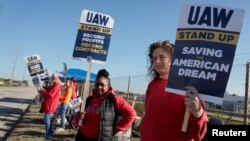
{"type": "Point", "coordinates": [246, 95]}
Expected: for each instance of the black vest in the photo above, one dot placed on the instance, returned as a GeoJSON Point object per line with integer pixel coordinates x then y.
{"type": "Point", "coordinates": [108, 118]}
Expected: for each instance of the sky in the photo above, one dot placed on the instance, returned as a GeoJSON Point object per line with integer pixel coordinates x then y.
{"type": "Point", "coordinates": [49, 28]}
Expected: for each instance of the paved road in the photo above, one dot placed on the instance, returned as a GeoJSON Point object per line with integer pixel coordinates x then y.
{"type": "Point", "coordinates": [13, 103]}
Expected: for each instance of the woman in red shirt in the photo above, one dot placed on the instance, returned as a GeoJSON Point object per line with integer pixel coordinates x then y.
{"type": "Point", "coordinates": [164, 111]}
{"type": "Point", "coordinates": [100, 120]}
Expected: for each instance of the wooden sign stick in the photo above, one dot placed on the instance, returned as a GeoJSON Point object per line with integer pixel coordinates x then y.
{"type": "Point", "coordinates": [185, 121]}
{"type": "Point", "coordinates": [86, 91]}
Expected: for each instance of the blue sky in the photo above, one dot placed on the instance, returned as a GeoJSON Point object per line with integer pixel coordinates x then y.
{"type": "Point", "coordinates": [49, 28]}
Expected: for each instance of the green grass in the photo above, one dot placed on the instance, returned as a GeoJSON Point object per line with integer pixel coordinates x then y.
{"type": "Point", "coordinates": [139, 107]}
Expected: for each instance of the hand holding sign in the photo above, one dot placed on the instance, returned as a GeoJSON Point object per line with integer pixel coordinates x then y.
{"type": "Point", "coordinates": [192, 101]}
{"type": "Point", "coordinates": [82, 114]}
{"type": "Point", "coordinates": [193, 106]}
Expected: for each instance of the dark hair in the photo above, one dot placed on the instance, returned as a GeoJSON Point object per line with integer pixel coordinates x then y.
{"type": "Point", "coordinates": [167, 46]}
{"type": "Point", "coordinates": [73, 79]}
{"type": "Point", "coordinates": [102, 73]}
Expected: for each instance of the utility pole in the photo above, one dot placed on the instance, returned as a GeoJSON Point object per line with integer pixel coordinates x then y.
{"type": "Point", "coordinates": [24, 71]}
{"type": "Point", "coordinates": [13, 70]}
{"type": "Point", "coordinates": [65, 69]}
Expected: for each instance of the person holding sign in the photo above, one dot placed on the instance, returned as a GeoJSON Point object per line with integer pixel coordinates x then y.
{"type": "Point", "coordinates": [101, 113]}
{"type": "Point", "coordinates": [164, 111]}
{"type": "Point", "coordinates": [50, 103]}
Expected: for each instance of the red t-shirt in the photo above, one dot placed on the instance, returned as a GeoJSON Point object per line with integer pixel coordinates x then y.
{"type": "Point", "coordinates": [164, 114]}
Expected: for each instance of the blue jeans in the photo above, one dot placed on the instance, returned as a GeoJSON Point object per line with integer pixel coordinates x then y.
{"type": "Point", "coordinates": [48, 124]}
{"type": "Point", "coordinates": [63, 109]}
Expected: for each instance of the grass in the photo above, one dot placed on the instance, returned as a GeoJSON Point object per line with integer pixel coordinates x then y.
{"type": "Point", "coordinates": [31, 128]}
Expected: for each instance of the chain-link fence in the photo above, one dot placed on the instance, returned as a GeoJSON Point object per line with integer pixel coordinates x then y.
{"type": "Point", "coordinates": [235, 105]}
{"type": "Point", "coordinates": [234, 109]}
{"type": "Point", "coordinates": [131, 86]}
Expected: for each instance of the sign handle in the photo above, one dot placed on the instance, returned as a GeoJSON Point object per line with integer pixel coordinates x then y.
{"type": "Point", "coordinates": [185, 120]}
{"type": "Point", "coordinates": [39, 81]}
{"type": "Point", "coordinates": [85, 91]}
{"type": "Point", "coordinates": [133, 103]}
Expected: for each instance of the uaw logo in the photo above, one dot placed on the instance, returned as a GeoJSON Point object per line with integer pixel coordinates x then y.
{"type": "Point", "coordinates": [74, 104]}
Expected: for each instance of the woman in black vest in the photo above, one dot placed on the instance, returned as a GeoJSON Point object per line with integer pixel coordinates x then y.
{"type": "Point", "coordinates": [101, 112]}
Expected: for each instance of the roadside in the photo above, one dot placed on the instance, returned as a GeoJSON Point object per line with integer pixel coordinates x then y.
{"type": "Point", "coordinates": [13, 103]}
{"type": "Point", "coordinates": [31, 128]}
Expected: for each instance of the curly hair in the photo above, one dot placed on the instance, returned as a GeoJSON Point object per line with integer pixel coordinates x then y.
{"type": "Point", "coordinates": [166, 46]}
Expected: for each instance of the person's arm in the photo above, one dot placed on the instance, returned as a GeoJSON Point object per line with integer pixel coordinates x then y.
{"type": "Point", "coordinates": [76, 118]}
{"type": "Point", "coordinates": [126, 111]}
{"type": "Point", "coordinates": [44, 92]}
{"type": "Point", "coordinates": [197, 124]}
